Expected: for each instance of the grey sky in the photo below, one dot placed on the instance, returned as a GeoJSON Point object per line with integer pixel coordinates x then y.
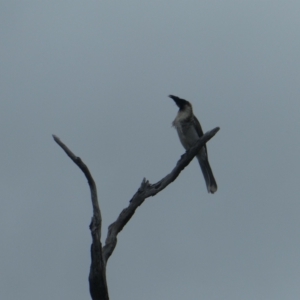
{"type": "Point", "coordinates": [97, 74]}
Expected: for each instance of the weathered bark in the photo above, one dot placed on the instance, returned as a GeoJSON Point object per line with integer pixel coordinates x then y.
{"type": "Point", "coordinates": [99, 254]}
{"type": "Point", "coordinates": [147, 190]}
{"type": "Point", "coordinates": [97, 276]}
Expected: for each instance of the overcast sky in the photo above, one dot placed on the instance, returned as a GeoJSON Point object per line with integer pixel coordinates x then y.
{"type": "Point", "coordinates": [97, 74]}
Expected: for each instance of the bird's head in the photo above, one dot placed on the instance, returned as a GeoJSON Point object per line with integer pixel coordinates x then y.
{"type": "Point", "coordinates": [181, 103]}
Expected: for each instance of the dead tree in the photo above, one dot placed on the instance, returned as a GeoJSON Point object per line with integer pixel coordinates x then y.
{"type": "Point", "coordinates": [100, 254]}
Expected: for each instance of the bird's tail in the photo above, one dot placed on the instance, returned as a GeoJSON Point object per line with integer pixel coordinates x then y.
{"type": "Point", "coordinates": [208, 175]}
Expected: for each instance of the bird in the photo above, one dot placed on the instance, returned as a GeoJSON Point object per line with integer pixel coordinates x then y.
{"type": "Point", "coordinates": [189, 131]}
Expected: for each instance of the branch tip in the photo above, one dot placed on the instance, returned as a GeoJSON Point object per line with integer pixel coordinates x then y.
{"type": "Point", "coordinates": [55, 137]}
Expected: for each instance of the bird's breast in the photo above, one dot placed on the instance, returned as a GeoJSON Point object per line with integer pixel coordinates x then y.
{"type": "Point", "coordinates": [187, 133]}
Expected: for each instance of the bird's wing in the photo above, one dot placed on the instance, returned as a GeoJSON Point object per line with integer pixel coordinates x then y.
{"type": "Point", "coordinates": [199, 132]}
{"type": "Point", "coordinates": [198, 127]}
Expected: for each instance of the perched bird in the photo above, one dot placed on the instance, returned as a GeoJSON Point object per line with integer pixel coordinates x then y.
{"type": "Point", "coordinates": [189, 131]}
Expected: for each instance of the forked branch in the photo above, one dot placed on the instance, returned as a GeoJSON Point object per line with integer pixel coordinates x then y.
{"type": "Point", "coordinates": [99, 255]}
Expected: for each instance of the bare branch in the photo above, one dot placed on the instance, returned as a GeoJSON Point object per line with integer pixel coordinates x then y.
{"type": "Point", "coordinates": [97, 276]}
{"type": "Point", "coordinates": [77, 160]}
{"type": "Point", "coordinates": [148, 190]}
{"type": "Point", "coordinates": [99, 255]}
